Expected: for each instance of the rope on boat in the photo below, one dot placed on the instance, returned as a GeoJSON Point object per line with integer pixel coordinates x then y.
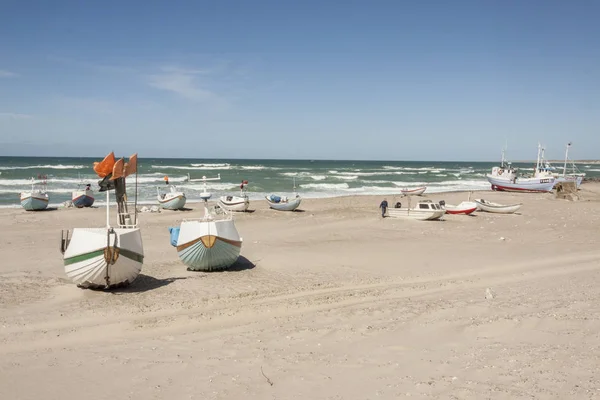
{"type": "Point", "coordinates": [111, 254]}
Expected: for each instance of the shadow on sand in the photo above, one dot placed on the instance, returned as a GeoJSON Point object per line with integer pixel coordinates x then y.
{"type": "Point", "coordinates": [144, 283]}
{"type": "Point", "coordinates": [45, 209]}
{"type": "Point", "coordinates": [242, 264]}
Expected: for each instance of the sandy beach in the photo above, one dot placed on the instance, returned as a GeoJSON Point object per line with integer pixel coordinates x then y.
{"type": "Point", "coordinates": [333, 302]}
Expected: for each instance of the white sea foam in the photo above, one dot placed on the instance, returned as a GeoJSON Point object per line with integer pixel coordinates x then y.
{"type": "Point", "coordinates": [213, 186]}
{"type": "Point", "coordinates": [318, 177]}
{"type": "Point", "coordinates": [58, 166]}
{"type": "Point", "coordinates": [346, 177]}
{"type": "Point", "coordinates": [325, 186]}
{"type": "Point", "coordinates": [253, 167]}
{"type": "Point", "coordinates": [214, 165]}
{"type": "Point", "coordinates": [193, 167]}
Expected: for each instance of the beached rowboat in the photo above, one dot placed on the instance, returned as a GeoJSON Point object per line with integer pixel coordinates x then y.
{"type": "Point", "coordinates": [465, 207]}
{"type": "Point", "coordinates": [413, 191]}
{"type": "Point", "coordinates": [210, 243]}
{"type": "Point", "coordinates": [488, 206]}
{"type": "Point", "coordinates": [108, 257]}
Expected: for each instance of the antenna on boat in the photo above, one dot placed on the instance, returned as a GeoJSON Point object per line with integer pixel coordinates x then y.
{"type": "Point", "coordinates": [566, 158]}
{"type": "Point", "coordinates": [205, 195]}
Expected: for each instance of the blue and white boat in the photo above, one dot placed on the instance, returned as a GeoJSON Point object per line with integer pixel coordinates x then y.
{"type": "Point", "coordinates": [284, 203]}
{"type": "Point", "coordinates": [83, 197]}
{"type": "Point", "coordinates": [36, 199]}
{"type": "Point", "coordinates": [210, 243]}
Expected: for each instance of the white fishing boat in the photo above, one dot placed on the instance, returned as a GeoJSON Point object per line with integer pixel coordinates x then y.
{"type": "Point", "coordinates": [545, 170]}
{"type": "Point", "coordinates": [413, 191]}
{"type": "Point", "coordinates": [37, 198]}
{"type": "Point", "coordinates": [488, 206]}
{"type": "Point", "coordinates": [506, 178]}
{"type": "Point", "coordinates": [464, 207]}
{"type": "Point", "coordinates": [236, 203]}
{"type": "Point", "coordinates": [210, 243]}
{"type": "Point", "coordinates": [172, 200]}
{"type": "Point", "coordinates": [83, 196]}
{"type": "Point", "coordinates": [111, 256]}
{"type": "Point", "coordinates": [425, 210]}
{"type": "Point", "coordinates": [284, 203]}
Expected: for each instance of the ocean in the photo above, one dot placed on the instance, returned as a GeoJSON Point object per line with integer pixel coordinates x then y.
{"type": "Point", "coordinates": [313, 178]}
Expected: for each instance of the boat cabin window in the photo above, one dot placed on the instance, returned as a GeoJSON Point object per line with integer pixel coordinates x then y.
{"type": "Point", "coordinates": [424, 206]}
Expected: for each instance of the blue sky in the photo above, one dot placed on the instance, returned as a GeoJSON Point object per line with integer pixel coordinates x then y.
{"type": "Point", "coordinates": [394, 80]}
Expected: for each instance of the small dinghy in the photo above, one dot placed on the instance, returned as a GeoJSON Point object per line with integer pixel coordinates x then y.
{"type": "Point", "coordinates": [210, 243]}
{"type": "Point", "coordinates": [108, 257]}
{"type": "Point", "coordinates": [465, 207]}
{"type": "Point", "coordinates": [488, 206]}
{"type": "Point", "coordinates": [413, 191]}
{"type": "Point", "coordinates": [37, 198]}
{"type": "Point", "coordinates": [283, 203]}
{"type": "Point", "coordinates": [83, 197]}
{"type": "Point", "coordinates": [171, 200]}
{"type": "Point", "coordinates": [425, 210]}
{"type": "Point", "coordinates": [236, 203]}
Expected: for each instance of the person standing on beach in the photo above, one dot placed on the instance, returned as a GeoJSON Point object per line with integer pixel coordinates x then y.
{"type": "Point", "coordinates": [383, 206]}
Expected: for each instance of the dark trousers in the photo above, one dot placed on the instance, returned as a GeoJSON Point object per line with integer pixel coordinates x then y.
{"type": "Point", "coordinates": [383, 209]}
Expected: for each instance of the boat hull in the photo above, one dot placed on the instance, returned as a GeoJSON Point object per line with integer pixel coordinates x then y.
{"type": "Point", "coordinates": [413, 192]}
{"type": "Point", "coordinates": [289, 205]}
{"type": "Point", "coordinates": [234, 203]}
{"type": "Point", "coordinates": [95, 260]}
{"type": "Point", "coordinates": [82, 198]}
{"type": "Point", "coordinates": [531, 185]}
{"type": "Point", "coordinates": [208, 245]}
{"type": "Point", "coordinates": [172, 203]}
{"type": "Point", "coordinates": [34, 202]}
{"type": "Point", "coordinates": [497, 208]}
{"type": "Point", "coordinates": [420, 215]}
{"type": "Point", "coordinates": [465, 208]}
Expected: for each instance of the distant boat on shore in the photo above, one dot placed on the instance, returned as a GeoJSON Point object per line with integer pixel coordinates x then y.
{"type": "Point", "coordinates": [545, 170]}
{"type": "Point", "coordinates": [506, 178]}
{"type": "Point", "coordinates": [37, 198]}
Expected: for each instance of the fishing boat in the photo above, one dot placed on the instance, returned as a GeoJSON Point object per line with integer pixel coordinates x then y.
{"type": "Point", "coordinates": [83, 197]}
{"type": "Point", "coordinates": [506, 178]}
{"type": "Point", "coordinates": [425, 210]}
{"type": "Point", "coordinates": [413, 191]}
{"type": "Point", "coordinates": [464, 207]}
{"type": "Point", "coordinates": [172, 200]}
{"type": "Point", "coordinates": [545, 170]}
{"type": "Point", "coordinates": [210, 243]}
{"type": "Point", "coordinates": [488, 206]}
{"type": "Point", "coordinates": [284, 203]}
{"type": "Point", "coordinates": [236, 203]}
{"type": "Point", "coordinates": [36, 199]}
{"type": "Point", "coordinates": [110, 256]}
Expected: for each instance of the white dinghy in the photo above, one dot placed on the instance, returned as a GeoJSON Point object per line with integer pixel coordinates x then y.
{"type": "Point", "coordinates": [108, 257]}
{"type": "Point", "coordinates": [413, 191]}
{"type": "Point", "coordinates": [210, 243]}
{"type": "Point", "coordinates": [172, 200]}
{"type": "Point", "coordinates": [236, 203]}
{"type": "Point", "coordinates": [488, 206]}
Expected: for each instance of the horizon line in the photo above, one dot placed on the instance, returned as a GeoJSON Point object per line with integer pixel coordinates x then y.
{"type": "Point", "coordinates": [307, 159]}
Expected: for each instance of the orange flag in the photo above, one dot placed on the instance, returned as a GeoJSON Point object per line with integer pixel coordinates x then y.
{"type": "Point", "coordinates": [105, 167]}
{"type": "Point", "coordinates": [131, 166]}
{"type": "Point", "coordinates": [118, 170]}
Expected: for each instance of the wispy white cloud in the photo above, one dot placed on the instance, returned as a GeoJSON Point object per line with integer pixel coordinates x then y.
{"type": "Point", "coordinates": [7, 74]}
{"type": "Point", "coordinates": [14, 116]}
{"type": "Point", "coordinates": [183, 82]}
